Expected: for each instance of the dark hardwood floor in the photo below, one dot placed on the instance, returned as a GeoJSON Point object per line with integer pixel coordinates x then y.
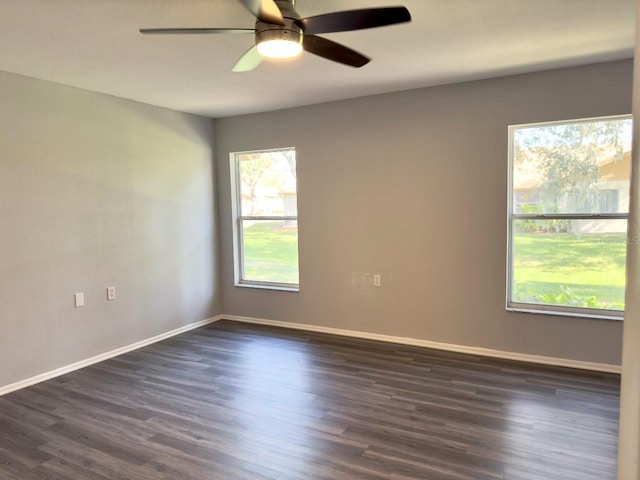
{"type": "Point", "coordinates": [239, 402]}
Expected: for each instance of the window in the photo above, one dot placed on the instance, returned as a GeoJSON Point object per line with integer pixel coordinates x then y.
{"type": "Point", "coordinates": [568, 209]}
{"type": "Point", "coordinates": [265, 218]}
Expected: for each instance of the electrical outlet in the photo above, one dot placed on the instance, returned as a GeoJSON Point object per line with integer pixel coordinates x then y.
{"type": "Point", "coordinates": [111, 293]}
{"type": "Point", "coordinates": [377, 280]}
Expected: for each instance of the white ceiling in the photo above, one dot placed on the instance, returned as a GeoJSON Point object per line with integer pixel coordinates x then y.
{"type": "Point", "coordinates": [95, 45]}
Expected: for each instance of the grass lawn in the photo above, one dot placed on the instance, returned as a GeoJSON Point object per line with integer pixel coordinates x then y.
{"type": "Point", "coordinates": [590, 269]}
{"type": "Point", "coordinates": [270, 252]}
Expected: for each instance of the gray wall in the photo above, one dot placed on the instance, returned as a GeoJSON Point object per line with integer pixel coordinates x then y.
{"type": "Point", "coordinates": [413, 185]}
{"type": "Point", "coordinates": [98, 191]}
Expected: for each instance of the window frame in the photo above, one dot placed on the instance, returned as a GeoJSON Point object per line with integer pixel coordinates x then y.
{"type": "Point", "coordinates": [238, 219]}
{"type": "Point", "coordinates": [549, 309]}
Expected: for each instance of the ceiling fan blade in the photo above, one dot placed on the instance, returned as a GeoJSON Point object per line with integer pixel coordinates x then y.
{"type": "Point", "coordinates": [334, 51]}
{"type": "Point", "coordinates": [192, 31]}
{"type": "Point", "coordinates": [250, 60]}
{"type": "Point", "coordinates": [264, 10]}
{"type": "Point", "coordinates": [354, 20]}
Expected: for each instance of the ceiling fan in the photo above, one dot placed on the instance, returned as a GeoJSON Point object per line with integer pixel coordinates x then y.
{"type": "Point", "coordinates": [281, 33]}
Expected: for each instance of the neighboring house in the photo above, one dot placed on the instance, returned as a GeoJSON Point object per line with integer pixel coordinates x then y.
{"type": "Point", "coordinates": [612, 187]}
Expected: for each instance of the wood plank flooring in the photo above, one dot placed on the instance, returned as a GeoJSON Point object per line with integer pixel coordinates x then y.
{"type": "Point", "coordinates": [240, 402]}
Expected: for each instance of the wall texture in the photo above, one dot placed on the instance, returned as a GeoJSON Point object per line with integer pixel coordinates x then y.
{"type": "Point", "coordinates": [413, 185]}
{"type": "Point", "coordinates": [98, 191]}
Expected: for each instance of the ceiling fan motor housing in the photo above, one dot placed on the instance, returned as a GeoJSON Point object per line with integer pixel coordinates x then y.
{"type": "Point", "coordinates": [290, 31]}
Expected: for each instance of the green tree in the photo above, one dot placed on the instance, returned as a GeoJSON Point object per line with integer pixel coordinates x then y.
{"type": "Point", "coordinates": [569, 157]}
{"type": "Point", "coordinates": [252, 170]}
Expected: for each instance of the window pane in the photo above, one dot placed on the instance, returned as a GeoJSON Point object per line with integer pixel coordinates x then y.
{"type": "Point", "coordinates": [268, 183]}
{"type": "Point", "coordinates": [578, 263]}
{"type": "Point", "coordinates": [270, 251]}
{"type": "Point", "coordinates": [581, 167]}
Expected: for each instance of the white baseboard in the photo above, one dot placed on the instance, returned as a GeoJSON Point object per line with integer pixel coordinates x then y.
{"type": "Point", "coordinates": [485, 352]}
{"type": "Point", "coordinates": [104, 356]}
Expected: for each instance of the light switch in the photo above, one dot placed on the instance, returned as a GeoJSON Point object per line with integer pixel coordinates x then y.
{"type": "Point", "coordinates": [79, 297]}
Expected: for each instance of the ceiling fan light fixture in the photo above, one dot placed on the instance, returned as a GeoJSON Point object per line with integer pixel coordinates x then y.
{"type": "Point", "coordinates": [279, 48]}
{"type": "Point", "coordinates": [280, 32]}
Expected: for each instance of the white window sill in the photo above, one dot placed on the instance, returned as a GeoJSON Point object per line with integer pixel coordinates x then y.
{"type": "Point", "coordinates": [270, 286]}
{"type": "Point", "coordinates": [548, 310]}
